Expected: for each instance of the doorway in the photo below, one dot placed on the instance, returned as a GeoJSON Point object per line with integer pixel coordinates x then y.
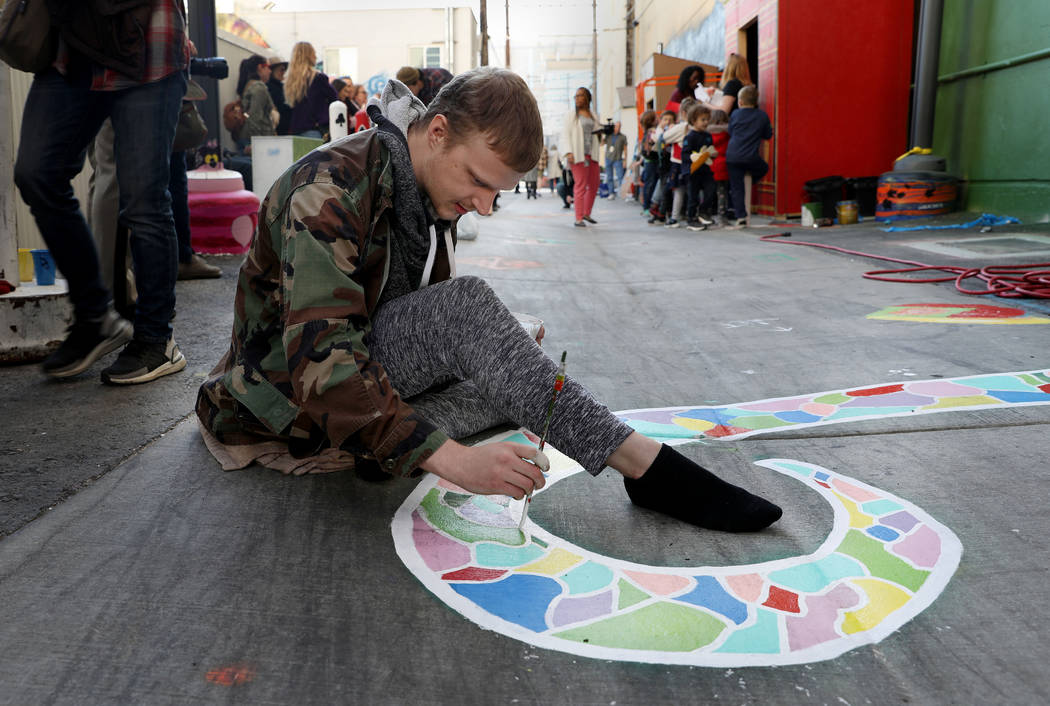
{"type": "Point", "coordinates": [747, 40]}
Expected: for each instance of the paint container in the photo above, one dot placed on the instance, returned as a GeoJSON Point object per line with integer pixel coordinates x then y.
{"type": "Point", "coordinates": [846, 212]}
{"type": "Point", "coordinates": [530, 323]}
{"type": "Point", "coordinates": [44, 266]}
{"type": "Point", "coordinates": [25, 264]}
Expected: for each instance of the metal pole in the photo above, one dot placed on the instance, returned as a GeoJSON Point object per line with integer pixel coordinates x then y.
{"type": "Point", "coordinates": [506, 5]}
{"type": "Point", "coordinates": [594, 54]}
{"type": "Point", "coordinates": [483, 20]}
{"type": "Point", "coordinates": [629, 63]}
{"type": "Point", "coordinates": [203, 35]}
{"type": "Point", "coordinates": [927, 55]}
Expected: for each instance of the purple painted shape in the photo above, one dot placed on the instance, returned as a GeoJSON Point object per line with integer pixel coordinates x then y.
{"type": "Point", "coordinates": [902, 520]}
{"type": "Point", "coordinates": [659, 416]}
{"type": "Point", "coordinates": [922, 547]}
{"type": "Point", "coordinates": [893, 399]}
{"type": "Point", "coordinates": [822, 612]}
{"type": "Point", "coordinates": [475, 514]}
{"type": "Point", "coordinates": [438, 551]}
{"type": "Point", "coordinates": [941, 388]}
{"type": "Point", "coordinates": [574, 610]}
{"type": "Point", "coordinates": [785, 405]}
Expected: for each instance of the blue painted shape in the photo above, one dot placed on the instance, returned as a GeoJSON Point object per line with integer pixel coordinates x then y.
{"type": "Point", "coordinates": [816, 575]}
{"type": "Point", "coordinates": [853, 412]}
{"type": "Point", "coordinates": [587, 577]}
{"type": "Point", "coordinates": [710, 594]}
{"type": "Point", "coordinates": [761, 638]}
{"type": "Point", "coordinates": [1012, 396]}
{"type": "Point", "coordinates": [997, 382]}
{"type": "Point", "coordinates": [821, 475]}
{"type": "Point", "coordinates": [797, 416]}
{"type": "Point", "coordinates": [664, 431]}
{"type": "Point", "coordinates": [711, 415]}
{"type": "Point", "coordinates": [883, 532]}
{"type": "Point", "coordinates": [521, 599]}
{"type": "Point", "coordinates": [875, 508]}
{"type": "Point", "coordinates": [499, 556]}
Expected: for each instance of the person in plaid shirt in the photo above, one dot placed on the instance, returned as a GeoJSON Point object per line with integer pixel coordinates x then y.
{"type": "Point", "coordinates": [137, 79]}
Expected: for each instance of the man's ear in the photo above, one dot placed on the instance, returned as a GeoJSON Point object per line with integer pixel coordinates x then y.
{"type": "Point", "coordinates": [438, 131]}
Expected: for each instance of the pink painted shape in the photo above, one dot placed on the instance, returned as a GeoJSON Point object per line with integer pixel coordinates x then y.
{"type": "Point", "coordinates": [448, 485]}
{"type": "Point", "coordinates": [660, 584]}
{"type": "Point", "coordinates": [852, 491]}
{"type": "Point", "coordinates": [822, 612]}
{"type": "Point", "coordinates": [747, 587]}
{"type": "Point", "coordinates": [785, 405]}
{"type": "Point", "coordinates": [438, 552]}
{"type": "Point", "coordinates": [922, 547]}
{"type": "Point", "coordinates": [819, 408]}
{"type": "Point", "coordinates": [942, 388]}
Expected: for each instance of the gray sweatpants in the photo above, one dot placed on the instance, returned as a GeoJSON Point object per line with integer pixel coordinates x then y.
{"type": "Point", "coordinates": [456, 354]}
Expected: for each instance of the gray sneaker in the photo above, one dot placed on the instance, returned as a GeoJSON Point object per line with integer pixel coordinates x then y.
{"type": "Point", "coordinates": [142, 362]}
{"type": "Point", "coordinates": [87, 342]}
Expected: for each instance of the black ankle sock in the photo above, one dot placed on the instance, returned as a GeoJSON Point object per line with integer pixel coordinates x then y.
{"type": "Point", "coordinates": [676, 486]}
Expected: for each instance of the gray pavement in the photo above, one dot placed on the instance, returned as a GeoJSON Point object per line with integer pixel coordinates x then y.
{"type": "Point", "coordinates": [157, 578]}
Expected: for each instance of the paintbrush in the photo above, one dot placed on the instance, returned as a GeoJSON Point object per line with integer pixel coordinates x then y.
{"type": "Point", "coordinates": [559, 382]}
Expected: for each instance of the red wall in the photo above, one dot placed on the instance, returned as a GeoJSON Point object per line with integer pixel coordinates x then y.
{"type": "Point", "coordinates": [844, 70]}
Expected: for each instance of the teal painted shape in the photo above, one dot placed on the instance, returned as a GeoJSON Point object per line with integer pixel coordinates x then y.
{"type": "Point", "coordinates": [761, 638]}
{"type": "Point", "coordinates": [817, 575]}
{"type": "Point", "coordinates": [493, 556]}
{"type": "Point", "coordinates": [801, 470]}
{"type": "Point", "coordinates": [663, 431]}
{"type": "Point", "coordinates": [999, 382]}
{"type": "Point", "coordinates": [587, 578]}
{"type": "Point", "coordinates": [876, 508]}
{"type": "Point", "coordinates": [853, 412]}
{"type": "Point", "coordinates": [487, 505]}
{"type": "Point", "coordinates": [519, 438]}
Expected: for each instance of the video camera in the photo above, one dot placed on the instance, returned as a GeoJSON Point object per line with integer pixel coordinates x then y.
{"type": "Point", "coordinates": [606, 129]}
{"type": "Point", "coordinates": [211, 66]}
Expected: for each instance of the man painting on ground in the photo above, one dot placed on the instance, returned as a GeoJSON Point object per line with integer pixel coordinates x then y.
{"type": "Point", "coordinates": [355, 346]}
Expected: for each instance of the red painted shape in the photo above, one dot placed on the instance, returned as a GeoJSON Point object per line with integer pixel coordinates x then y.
{"type": "Point", "coordinates": [1045, 388]}
{"type": "Point", "coordinates": [473, 573]}
{"type": "Point", "coordinates": [873, 391]}
{"type": "Point", "coordinates": [723, 430]}
{"type": "Point", "coordinates": [984, 311]}
{"type": "Point", "coordinates": [233, 675]}
{"type": "Point", "coordinates": [781, 599]}
{"type": "Point", "coordinates": [820, 482]}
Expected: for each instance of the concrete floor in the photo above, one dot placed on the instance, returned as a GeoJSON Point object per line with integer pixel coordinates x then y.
{"type": "Point", "coordinates": [150, 576]}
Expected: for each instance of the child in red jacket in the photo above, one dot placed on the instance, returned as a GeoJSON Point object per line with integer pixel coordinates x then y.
{"type": "Point", "coordinates": [719, 129]}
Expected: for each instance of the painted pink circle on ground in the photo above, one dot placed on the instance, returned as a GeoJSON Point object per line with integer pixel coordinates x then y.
{"type": "Point", "coordinates": [242, 229]}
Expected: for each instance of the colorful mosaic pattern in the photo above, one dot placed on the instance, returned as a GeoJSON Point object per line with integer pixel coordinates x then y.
{"type": "Point", "coordinates": [884, 561]}
{"type": "Point", "coordinates": [958, 314]}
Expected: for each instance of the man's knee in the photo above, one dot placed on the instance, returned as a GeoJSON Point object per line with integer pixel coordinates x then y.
{"type": "Point", "coordinates": [472, 288]}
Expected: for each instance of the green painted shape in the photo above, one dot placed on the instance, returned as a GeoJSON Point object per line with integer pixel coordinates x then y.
{"type": "Point", "coordinates": [629, 594]}
{"type": "Point", "coordinates": [1032, 380]}
{"type": "Point", "coordinates": [455, 499]}
{"type": "Point", "coordinates": [493, 556]}
{"type": "Point", "coordinates": [765, 421]}
{"type": "Point", "coordinates": [761, 638]}
{"type": "Point", "coordinates": [875, 508]}
{"type": "Point", "coordinates": [487, 505]}
{"type": "Point", "coordinates": [662, 431]}
{"type": "Point", "coordinates": [814, 576]}
{"type": "Point", "coordinates": [540, 542]}
{"type": "Point", "coordinates": [445, 519]}
{"type": "Point", "coordinates": [666, 627]}
{"type": "Point", "coordinates": [833, 398]}
{"type": "Point", "coordinates": [872, 553]}
{"type": "Point", "coordinates": [587, 578]}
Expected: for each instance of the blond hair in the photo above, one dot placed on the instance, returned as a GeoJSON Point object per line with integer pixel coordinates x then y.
{"type": "Point", "coordinates": [736, 68]}
{"type": "Point", "coordinates": [497, 104]}
{"type": "Point", "coordinates": [300, 72]}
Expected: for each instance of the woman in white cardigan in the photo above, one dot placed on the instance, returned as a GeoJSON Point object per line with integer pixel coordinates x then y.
{"type": "Point", "coordinates": [579, 145]}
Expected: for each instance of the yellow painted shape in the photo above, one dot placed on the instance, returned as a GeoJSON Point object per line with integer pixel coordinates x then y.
{"type": "Point", "coordinates": [857, 518]}
{"type": "Point", "coordinates": [553, 564]}
{"type": "Point", "coordinates": [694, 424]}
{"type": "Point", "coordinates": [963, 401]}
{"type": "Point", "coordinates": [883, 599]}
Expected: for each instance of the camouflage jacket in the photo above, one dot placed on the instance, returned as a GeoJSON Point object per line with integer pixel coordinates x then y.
{"type": "Point", "coordinates": [298, 369]}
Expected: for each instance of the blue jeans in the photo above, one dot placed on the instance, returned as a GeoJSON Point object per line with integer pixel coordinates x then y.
{"type": "Point", "coordinates": [60, 119]}
{"type": "Point", "coordinates": [650, 175]}
{"type": "Point", "coordinates": [757, 168]}
{"type": "Point", "coordinates": [614, 176]}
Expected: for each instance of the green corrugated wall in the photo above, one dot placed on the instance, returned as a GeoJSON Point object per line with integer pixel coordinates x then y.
{"type": "Point", "coordinates": [994, 126]}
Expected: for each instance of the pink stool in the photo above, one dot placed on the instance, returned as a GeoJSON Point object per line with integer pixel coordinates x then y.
{"type": "Point", "coordinates": [223, 215]}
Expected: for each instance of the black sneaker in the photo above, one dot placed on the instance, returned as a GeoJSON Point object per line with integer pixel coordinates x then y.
{"type": "Point", "coordinates": [142, 362]}
{"type": "Point", "coordinates": [87, 342]}
{"type": "Point", "coordinates": [704, 219]}
{"type": "Point", "coordinates": [671, 223]}
{"type": "Point", "coordinates": [589, 219]}
{"type": "Point", "coordinates": [654, 221]}
{"type": "Point", "coordinates": [696, 224]}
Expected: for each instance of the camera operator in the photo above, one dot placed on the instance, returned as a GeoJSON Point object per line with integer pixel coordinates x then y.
{"type": "Point", "coordinates": [615, 154]}
{"type": "Point", "coordinates": [138, 81]}
{"type": "Point", "coordinates": [580, 144]}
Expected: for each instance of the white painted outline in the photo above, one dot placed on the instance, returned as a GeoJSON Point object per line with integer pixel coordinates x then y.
{"type": "Point", "coordinates": [938, 578]}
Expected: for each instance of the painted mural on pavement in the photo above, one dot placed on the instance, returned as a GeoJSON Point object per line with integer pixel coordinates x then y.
{"type": "Point", "coordinates": [883, 562]}
{"type": "Point", "coordinates": [958, 314]}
